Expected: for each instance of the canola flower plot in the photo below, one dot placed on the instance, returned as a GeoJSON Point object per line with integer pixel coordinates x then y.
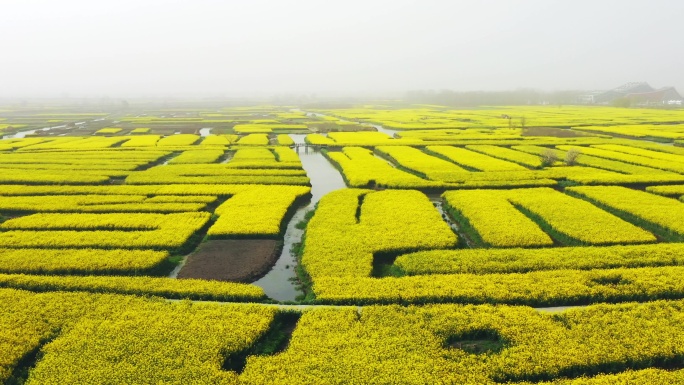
{"type": "Point", "coordinates": [28, 320]}
{"type": "Point", "coordinates": [426, 290]}
{"type": "Point", "coordinates": [108, 131]}
{"type": "Point", "coordinates": [219, 140]}
{"type": "Point", "coordinates": [338, 243]}
{"type": "Point", "coordinates": [73, 167]}
{"type": "Point", "coordinates": [474, 159]}
{"type": "Point", "coordinates": [141, 141]}
{"type": "Point", "coordinates": [201, 334]}
{"type": "Point", "coordinates": [80, 261]}
{"type": "Point", "coordinates": [178, 192]}
{"type": "Point", "coordinates": [494, 219]}
{"type": "Point", "coordinates": [407, 167]}
{"type": "Point", "coordinates": [596, 162]}
{"type": "Point", "coordinates": [194, 289]}
{"type": "Point", "coordinates": [102, 203]}
{"type": "Point", "coordinates": [518, 260]}
{"type": "Point", "coordinates": [253, 140]}
{"type": "Point", "coordinates": [508, 155]}
{"type": "Point", "coordinates": [474, 345]}
{"type": "Point", "coordinates": [646, 131]}
{"type": "Point", "coordinates": [169, 175]}
{"type": "Point", "coordinates": [76, 143]}
{"type": "Point", "coordinates": [362, 169]}
{"type": "Point", "coordinates": [343, 264]}
{"type": "Point", "coordinates": [163, 343]}
{"type": "Point", "coordinates": [675, 190]}
{"type": "Point", "coordinates": [140, 130]}
{"type": "Point", "coordinates": [538, 288]}
{"type": "Point", "coordinates": [428, 166]}
{"type": "Point", "coordinates": [497, 218]}
{"type": "Point", "coordinates": [136, 231]}
{"type": "Point", "coordinates": [259, 213]}
{"type": "Point", "coordinates": [285, 140]}
{"type": "Point", "coordinates": [185, 342]}
{"type": "Point", "coordinates": [640, 160]}
{"type": "Point", "coordinates": [53, 177]}
{"type": "Point", "coordinates": [278, 157]}
{"type": "Point", "coordinates": [178, 140]}
{"type": "Point", "coordinates": [578, 219]}
{"type": "Point", "coordinates": [197, 157]}
{"type": "Point", "coordinates": [661, 211]}
{"type": "Point", "coordinates": [245, 166]}
{"type": "Point", "coordinates": [674, 156]}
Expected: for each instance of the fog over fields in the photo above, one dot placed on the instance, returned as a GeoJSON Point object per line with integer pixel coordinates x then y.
{"type": "Point", "coordinates": [130, 48]}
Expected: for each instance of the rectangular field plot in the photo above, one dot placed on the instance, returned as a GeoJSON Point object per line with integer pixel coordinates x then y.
{"type": "Point", "coordinates": [244, 166]}
{"type": "Point", "coordinates": [351, 267]}
{"type": "Point", "coordinates": [528, 165]}
{"type": "Point", "coordinates": [80, 339]}
{"type": "Point", "coordinates": [125, 239]}
{"type": "Point", "coordinates": [655, 210]}
{"type": "Point", "coordinates": [120, 214]}
{"type": "Point", "coordinates": [137, 231]}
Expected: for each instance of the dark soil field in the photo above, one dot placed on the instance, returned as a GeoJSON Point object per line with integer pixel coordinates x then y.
{"type": "Point", "coordinates": [235, 260]}
{"type": "Point", "coordinates": [552, 131]}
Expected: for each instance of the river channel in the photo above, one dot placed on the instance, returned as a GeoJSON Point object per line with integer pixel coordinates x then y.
{"type": "Point", "coordinates": [281, 282]}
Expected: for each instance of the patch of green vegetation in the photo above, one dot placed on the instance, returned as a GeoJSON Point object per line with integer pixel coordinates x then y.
{"type": "Point", "coordinates": [175, 259]}
{"type": "Point", "coordinates": [465, 229]}
{"type": "Point", "coordinates": [567, 183]}
{"type": "Point", "coordinates": [20, 372]}
{"type": "Point", "coordinates": [273, 341]}
{"type": "Point", "coordinates": [301, 225]}
{"type": "Point", "coordinates": [478, 342]}
{"type": "Point", "coordinates": [547, 228]}
{"type": "Point", "coordinates": [386, 268]}
{"type": "Point", "coordinates": [612, 279]}
{"type": "Point", "coordinates": [305, 282]}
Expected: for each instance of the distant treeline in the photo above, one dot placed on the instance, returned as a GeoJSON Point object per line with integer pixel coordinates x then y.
{"type": "Point", "coordinates": [484, 98]}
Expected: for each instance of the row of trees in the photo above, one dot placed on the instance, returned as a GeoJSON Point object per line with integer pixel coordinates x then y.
{"type": "Point", "coordinates": [483, 98]}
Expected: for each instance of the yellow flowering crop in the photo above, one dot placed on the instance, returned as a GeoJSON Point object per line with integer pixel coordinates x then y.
{"type": "Point", "coordinates": [474, 159]}
{"type": "Point", "coordinates": [198, 289]}
{"type": "Point", "coordinates": [197, 156]}
{"type": "Point", "coordinates": [495, 220]}
{"type": "Point", "coordinates": [158, 231]}
{"type": "Point", "coordinates": [178, 140]}
{"type": "Point", "coordinates": [257, 213]}
{"type": "Point", "coordinates": [81, 261]}
{"type": "Point", "coordinates": [508, 154]}
{"type": "Point", "coordinates": [665, 212]}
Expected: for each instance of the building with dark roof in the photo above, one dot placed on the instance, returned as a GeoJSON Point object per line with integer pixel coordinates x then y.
{"type": "Point", "coordinates": [638, 93]}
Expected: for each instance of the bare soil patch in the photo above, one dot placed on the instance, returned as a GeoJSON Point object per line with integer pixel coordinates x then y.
{"type": "Point", "coordinates": [553, 131]}
{"type": "Point", "coordinates": [235, 260]}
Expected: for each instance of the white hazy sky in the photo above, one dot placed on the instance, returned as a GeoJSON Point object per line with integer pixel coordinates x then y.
{"type": "Point", "coordinates": [259, 47]}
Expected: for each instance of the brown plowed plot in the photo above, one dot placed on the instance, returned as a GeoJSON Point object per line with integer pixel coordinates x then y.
{"type": "Point", "coordinates": [236, 260]}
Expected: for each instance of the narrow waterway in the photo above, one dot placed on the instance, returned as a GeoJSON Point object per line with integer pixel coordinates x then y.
{"type": "Point", "coordinates": [385, 130]}
{"type": "Point", "coordinates": [281, 282]}
{"type": "Point", "coordinates": [23, 134]}
{"type": "Point", "coordinates": [377, 126]}
{"type": "Point", "coordinates": [437, 201]}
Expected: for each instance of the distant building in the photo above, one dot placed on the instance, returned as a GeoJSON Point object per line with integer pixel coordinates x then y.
{"type": "Point", "coordinates": [666, 95]}
{"type": "Point", "coordinates": [639, 93]}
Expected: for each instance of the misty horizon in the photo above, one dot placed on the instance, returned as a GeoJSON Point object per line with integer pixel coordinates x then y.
{"type": "Point", "coordinates": [379, 48]}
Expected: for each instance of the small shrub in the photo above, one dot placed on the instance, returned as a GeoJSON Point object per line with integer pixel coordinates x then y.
{"type": "Point", "coordinates": [571, 156]}
{"type": "Point", "coordinates": [549, 157]}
